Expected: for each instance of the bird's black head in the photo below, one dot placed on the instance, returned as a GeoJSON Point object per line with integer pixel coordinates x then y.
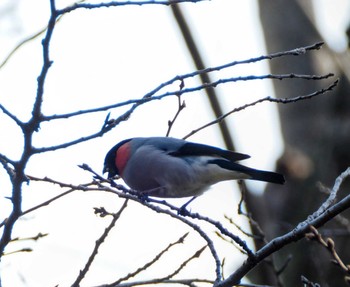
{"type": "Point", "coordinates": [111, 159]}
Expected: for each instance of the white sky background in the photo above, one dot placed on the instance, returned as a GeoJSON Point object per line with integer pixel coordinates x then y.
{"type": "Point", "coordinates": [104, 56]}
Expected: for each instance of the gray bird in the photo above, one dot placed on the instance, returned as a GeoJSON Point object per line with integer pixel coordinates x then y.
{"type": "Point", "coordinates": [172, 168]}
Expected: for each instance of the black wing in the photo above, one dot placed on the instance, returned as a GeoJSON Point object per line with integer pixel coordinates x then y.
{"type": "Point", "coordinates": [195, 149]}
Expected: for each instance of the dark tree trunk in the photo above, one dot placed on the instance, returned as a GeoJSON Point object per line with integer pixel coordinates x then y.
{"type": "Point", "coordinates": [317, 148]}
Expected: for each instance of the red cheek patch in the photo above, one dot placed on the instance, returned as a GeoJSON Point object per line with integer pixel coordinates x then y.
{"type": "Point", "coordinates": [122, 157]}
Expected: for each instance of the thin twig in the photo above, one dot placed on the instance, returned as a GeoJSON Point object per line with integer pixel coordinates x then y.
{"type": "Point", "coordinates": [330, 245]}
{"type": "Point", "coordinates": [27, 40]}
{"type": "Point", "coordinates": [193, 215]}
{"type": "Point", "coordinates": [123, 192]}
{"type": "Point", "coordinates": [150, 263]}
{"type": "Point", "coordinates": [98, 244]}
{"type": "Point", "coordinates": [11, 116]}
{"type": "Point", "coordinates": [197, 254]}
{"type": "Point", "coordinates": [279, 242]}
{"type": "Point", "coordinates": [35, 238]}
{"type": "Point", "coordinates": [124, 3]}
{"type": "Point", "coordinates": [308, 283]}
{"type": "Point", "coordinates": [151, 96]}
{"type": "Point", "coordinates": [333, 194]}
{"type": "Point", "coordinates": [266, 99]}
{"type": "Point", "coordinates": [180, 107]}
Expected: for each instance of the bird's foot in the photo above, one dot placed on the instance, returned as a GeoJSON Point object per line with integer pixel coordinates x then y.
{"type": "Point", "coordinates": [183, 211]}
{"type": "Point", "coordinates": [143, 196]}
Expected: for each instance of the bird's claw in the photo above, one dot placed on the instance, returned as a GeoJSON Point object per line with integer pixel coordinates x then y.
{"type": "Point", "coordinates": [143, 196]}
{"type": "Point", "coordinates": [183, 210]}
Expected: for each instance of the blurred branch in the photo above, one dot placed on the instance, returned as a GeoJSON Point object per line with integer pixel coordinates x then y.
{"type": "Point", "coordinates": [22, 43]}
{"type": "Point", "coordinates": [341, 59]}
{"type": "Point", "coordinates": [204, 77]}
{"type": "Point", "coordinates": [27, 40]}
{"type": "Point", "coordinates": [308, 283]}
{"type": "Point", "coordinates": [258, 234]}
{"type": "Point", "coordinates": [314, 235]}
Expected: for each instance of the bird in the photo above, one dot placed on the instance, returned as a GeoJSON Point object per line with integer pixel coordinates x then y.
{"type": "Point", "coordinates": [167, 167]}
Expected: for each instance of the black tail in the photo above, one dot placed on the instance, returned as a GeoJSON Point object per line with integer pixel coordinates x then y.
{"type": "Point", "coordinates": [255, 174]}
{"type": "Point", "coordinates": [267, 176]}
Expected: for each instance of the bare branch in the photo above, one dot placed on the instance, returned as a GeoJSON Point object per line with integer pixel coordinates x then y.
{"type": "Point", "coordinates": [183, 264]}
{"type": "Point", "coordinates": [125, 194]}
{"type": "Point", "coordinates": [11, 116]}
{"type": "Point", "coordinates": [36, 113]}
{"type": "Point", "coordinates": [330, 246]}
{"type": "Point", "coordinates": [28, 129]}
{"type": "Point", "coordinates": [266, 99]}
{"type": "Point", "coordinates": [112, 123]}
{"type": "Point", "coordinates": [181, 106]}
{"type": "Point", "coordinates": [35, 238]}
{"type": "Point", "coordinates": [148, 264]}
{"type": "Point", "coordinates": [152, 94]}
{"type": "Point", "coordinates": [61, 184]}
{"type": "Point", "coordinates": [5, 161]}
{"type": "Point", "coordinates": [16, 169]}
{"type": "Point", "coordinates": [188, 282]}
{"type": "Point", "coordinates": [27, 40]}
{"type": "Point", "coordinates": [279, 242]}
{"type": "Point", "coordinates": [128, 194]}
{"type": "Point", "coordinates": [18, 251]}
{"type": "Point", "coordinates": [98, 244]}
{"type": "Point", "coordinates": [124, 3]}
{"type": "Point", "coordinates": [333, 194]}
